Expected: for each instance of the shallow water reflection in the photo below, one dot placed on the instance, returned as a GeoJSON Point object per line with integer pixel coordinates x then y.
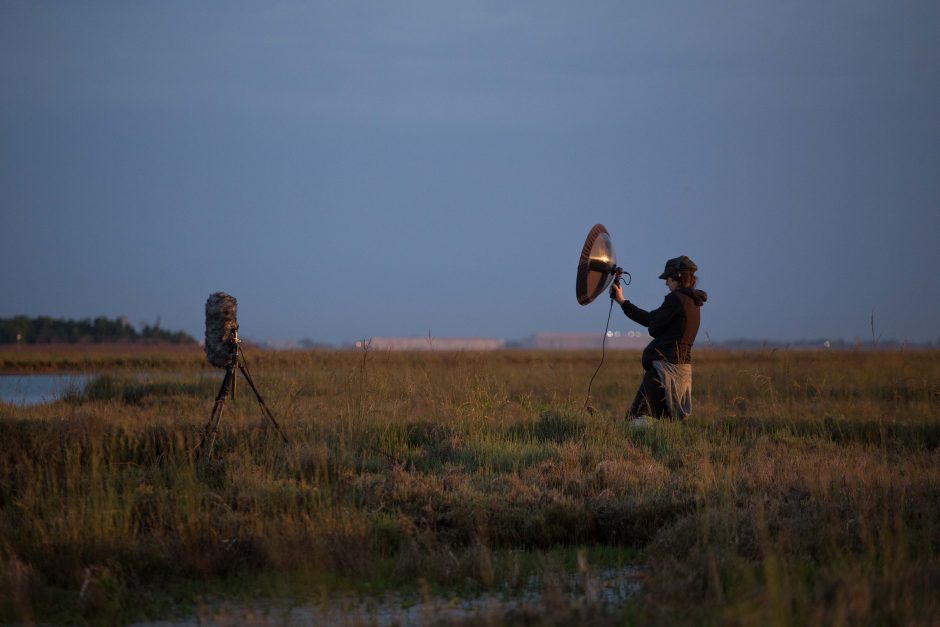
{"type": "Point", "coordinates": [605, 590]}
{"type": "Point", "coordinates": [36, 389]}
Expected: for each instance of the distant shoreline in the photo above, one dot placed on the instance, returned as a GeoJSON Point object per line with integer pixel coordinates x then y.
{"type": "Point", "coordinates": [733, 345]}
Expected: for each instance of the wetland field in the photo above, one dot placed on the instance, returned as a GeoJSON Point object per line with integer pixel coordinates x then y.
{"type": "Point", "coordinates": [472, 489]}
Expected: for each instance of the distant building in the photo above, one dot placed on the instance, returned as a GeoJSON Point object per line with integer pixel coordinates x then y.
{"type": "Point", "coordinates": [435, 343]}
{"type": "Point", "coordinates": [281, 345]}
{"type": "Point", "coordinates": [623, 340]}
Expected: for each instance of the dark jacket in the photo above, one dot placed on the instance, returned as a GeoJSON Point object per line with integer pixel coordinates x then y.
{"type": "Point", "coordinates": [673, 326]}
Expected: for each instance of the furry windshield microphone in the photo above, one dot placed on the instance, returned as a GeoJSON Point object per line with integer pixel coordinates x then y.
{"type": "Point", "coordinates": [223, 350]}
{"type": "Point", "coordinates": [221, 327]}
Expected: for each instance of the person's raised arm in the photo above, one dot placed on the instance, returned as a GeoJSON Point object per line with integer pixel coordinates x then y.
{"type": "Point", "coordinates": [640, 316]}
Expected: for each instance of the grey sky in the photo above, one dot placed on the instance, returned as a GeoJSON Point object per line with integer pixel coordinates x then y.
{"type": "Point", "coordinates": [353, 169]}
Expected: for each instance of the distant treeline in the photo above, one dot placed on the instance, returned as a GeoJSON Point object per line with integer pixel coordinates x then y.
{"type": "Point", "coordinates": [45, 330]}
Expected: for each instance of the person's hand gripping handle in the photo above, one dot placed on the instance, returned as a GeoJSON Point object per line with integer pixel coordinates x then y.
{"type": "Point", "coordinates": [616, 291]}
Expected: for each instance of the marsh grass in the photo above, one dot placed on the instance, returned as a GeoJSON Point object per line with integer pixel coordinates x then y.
{"type": "Point", "coordinates": [804, 490]}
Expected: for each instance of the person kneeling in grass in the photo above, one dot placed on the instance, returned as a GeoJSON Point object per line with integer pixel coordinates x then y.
{"type": "Point", "coordinates": [666, 389]}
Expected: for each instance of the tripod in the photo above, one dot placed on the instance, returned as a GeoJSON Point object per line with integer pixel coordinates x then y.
{"type": "Point", "coordinates": [228, 388]}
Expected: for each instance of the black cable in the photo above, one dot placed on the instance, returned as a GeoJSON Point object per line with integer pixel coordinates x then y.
{"type": "Point", "coordinates": [603, 354]}
{"type": "Point", "coordinates": [620, 281]}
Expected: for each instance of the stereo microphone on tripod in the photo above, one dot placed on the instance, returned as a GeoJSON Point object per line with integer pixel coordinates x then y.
{"type": "Point", "coordinates": [221, 328]}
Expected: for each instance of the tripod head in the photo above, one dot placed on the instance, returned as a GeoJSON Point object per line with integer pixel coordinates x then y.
{"type": "Point", "coordinates": [234, 340]}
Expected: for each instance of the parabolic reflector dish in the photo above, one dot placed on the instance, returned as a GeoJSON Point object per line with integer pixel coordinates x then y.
{"type": "Point", "coordinates": [597, 265]}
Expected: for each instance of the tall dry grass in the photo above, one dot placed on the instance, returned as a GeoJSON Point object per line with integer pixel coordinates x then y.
{"type": "Point", "coordinates": [804, 490]}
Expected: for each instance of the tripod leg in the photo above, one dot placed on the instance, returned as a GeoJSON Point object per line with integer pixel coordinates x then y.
{"type": "Point", "coordinates": [264, 408]}
{"type": "Point", "coordinates": [212, 429]}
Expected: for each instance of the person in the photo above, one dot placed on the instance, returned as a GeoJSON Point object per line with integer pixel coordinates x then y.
{"type": "Point", "coordinates": [666, 389]}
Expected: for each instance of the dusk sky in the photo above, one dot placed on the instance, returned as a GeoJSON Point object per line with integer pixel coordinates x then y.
{"type": "Point", "coordinates": [357, 169]}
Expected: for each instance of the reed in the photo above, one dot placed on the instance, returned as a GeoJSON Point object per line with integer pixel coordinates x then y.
{"type": "Point", "coordinates": [805, 489]}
